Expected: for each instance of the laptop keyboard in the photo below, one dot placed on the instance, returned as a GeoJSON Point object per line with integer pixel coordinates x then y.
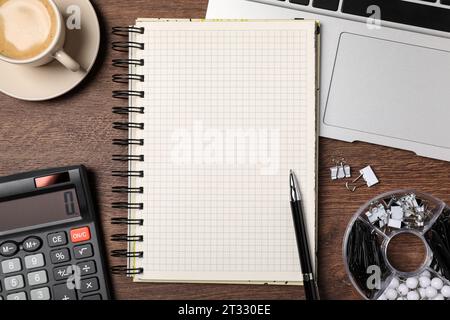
{"type": "Point", "coordinates": [327, 4]}
{"type": "Point", "coordinates": [425, 13]}
{"type": "Point", "coordinates": [414, 14]}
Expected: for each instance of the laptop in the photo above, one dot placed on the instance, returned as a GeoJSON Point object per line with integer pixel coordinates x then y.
{"type": "Point", "coordinates": [385, 67]}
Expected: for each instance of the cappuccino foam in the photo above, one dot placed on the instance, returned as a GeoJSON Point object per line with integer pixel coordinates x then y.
{"type": "Point", "coordinates": [27, 28]}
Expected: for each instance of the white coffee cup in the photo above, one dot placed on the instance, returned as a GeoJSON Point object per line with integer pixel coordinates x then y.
{"type": "Point", "coordinates": [53, 51]}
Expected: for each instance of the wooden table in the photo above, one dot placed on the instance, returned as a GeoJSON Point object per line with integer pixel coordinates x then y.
{"type": "Point", "coordinates": [77, 128]}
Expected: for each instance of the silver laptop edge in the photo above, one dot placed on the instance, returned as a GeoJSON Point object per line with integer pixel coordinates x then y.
{"type": "Point", "coordinates": [387, 85]}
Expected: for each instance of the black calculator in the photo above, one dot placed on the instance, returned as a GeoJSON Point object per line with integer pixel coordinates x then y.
{"type": "Point", "coordinates": [50, 241]}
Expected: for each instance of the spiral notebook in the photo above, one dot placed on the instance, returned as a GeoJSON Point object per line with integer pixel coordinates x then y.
{"type": "Point", "coordinates": [219, 112]}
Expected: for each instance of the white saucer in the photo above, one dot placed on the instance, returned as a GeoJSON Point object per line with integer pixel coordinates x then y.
{"type": "Point", "coordinates": [53, 80]}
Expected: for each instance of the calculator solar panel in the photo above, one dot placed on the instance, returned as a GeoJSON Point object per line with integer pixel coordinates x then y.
{"type": "Point", "coordinates": [50, 240]}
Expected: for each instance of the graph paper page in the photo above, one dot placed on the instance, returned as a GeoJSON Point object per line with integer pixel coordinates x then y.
{"type": "Point", "coordinates": [230, 108]}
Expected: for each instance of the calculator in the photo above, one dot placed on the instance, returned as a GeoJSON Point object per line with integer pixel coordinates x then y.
{"type": "Point", "coordinates": [50, 241]}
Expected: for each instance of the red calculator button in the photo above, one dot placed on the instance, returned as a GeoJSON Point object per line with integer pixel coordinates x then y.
{"type": "Point", "coordinates": [80, 234]}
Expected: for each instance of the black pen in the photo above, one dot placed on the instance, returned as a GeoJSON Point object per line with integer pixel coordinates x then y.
{"type": "Point", "coordinates": [309, 282]}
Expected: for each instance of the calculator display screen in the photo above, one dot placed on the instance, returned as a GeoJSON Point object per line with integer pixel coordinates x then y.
{"type": "Point", "coordinates": [39, 209]}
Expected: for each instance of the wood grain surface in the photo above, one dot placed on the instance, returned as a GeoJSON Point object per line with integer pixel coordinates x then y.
{"type": "Point", "coordinates": [77, 129]}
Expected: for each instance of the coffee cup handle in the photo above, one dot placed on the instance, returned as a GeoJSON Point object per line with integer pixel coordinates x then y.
{"type": "Point", "coordinates": [67, 61]}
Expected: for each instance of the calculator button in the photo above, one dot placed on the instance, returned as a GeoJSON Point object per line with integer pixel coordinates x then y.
{"type": "Point", "coordinates": [13, 283]}
{"type": "Point", "coordinates": [31, 244]}
{"type": "Point", "coordinates": [80, 234]}
{"type": "Point", "coordinates": [83, 251]}
{"type": "Point", "coordinates": [34, 261]}
{"type": "Point", "coordinates": [57, 239]}
{"type": "Point", "coordinates": [89, 285]}
{"type": "Point", "coordinates": [93, 297]}
{"type": "Point", "coordinates": [40, 294]}
{"type": "Point", "coordinates": [17, 296]}
{"type": "Point", "coordinates": [62, 273]}
{"type": "Point", "coordinates": [10, 266]}
{"type": "Point", "coordinates": [62, 292]}
{"type": "Point", "coordinates": [8, 249]}
{"type": "Point", "coordinates": [36, 278]}
{"type": "Point", "coordinates": [87, 268]}
{"type": "Point", "coordinates": [60, 256]}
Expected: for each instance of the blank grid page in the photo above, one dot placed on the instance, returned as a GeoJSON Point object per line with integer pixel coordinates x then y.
{"type": "Point", "coordinates": [230, 109]}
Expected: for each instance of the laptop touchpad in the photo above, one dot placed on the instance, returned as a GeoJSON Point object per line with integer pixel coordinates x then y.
{"type": "Point", "coordinates": [391, 89]}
